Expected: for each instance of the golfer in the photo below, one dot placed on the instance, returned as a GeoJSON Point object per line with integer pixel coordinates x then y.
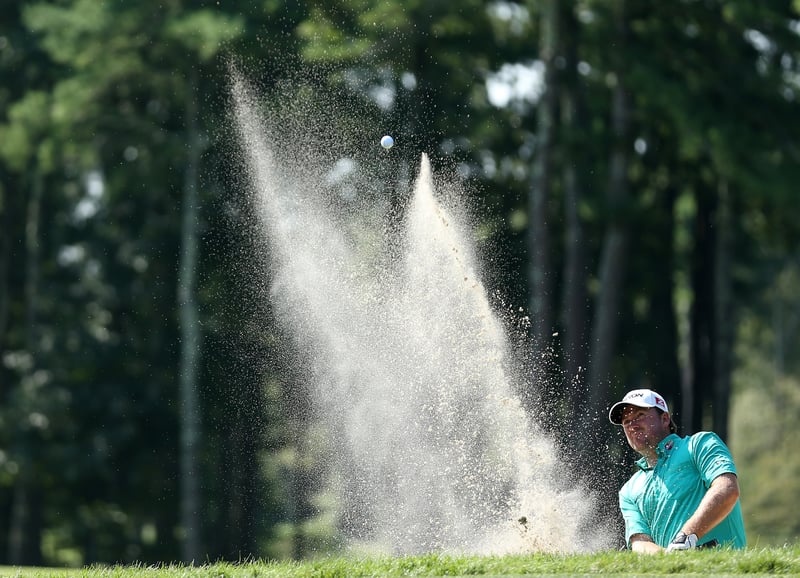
{"type": "Point", "coordinates": [684, 493]}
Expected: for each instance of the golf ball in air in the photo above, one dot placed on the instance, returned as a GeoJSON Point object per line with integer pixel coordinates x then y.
{"type": "Point", "coordinates": [387, 142]}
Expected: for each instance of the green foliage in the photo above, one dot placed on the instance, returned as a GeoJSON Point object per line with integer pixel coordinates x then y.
{"type": "Point", "coordinates": [206, 32]}
{"type": "Point", "coordinates": [93, 111]}
{"type": "Point", "coordinates": [67, 31]}
{"type": "Point", "coordinates": [327, 42]}
{"type": "Point", "coordinates": [764, 432]}
{"type": "Point", "coordinates": [28, 122]}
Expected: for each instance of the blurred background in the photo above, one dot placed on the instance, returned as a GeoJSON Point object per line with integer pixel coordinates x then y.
{"type": "Point", "coordinates": [633, 170]}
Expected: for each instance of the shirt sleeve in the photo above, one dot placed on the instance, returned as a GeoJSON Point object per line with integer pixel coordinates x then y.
{"type": "Point", "coordinates": [634, 521]}
{"type": "Point", "coordinates": [712, 456]}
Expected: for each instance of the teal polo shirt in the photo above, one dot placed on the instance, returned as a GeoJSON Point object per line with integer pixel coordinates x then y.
{"type": "Point", "coordinates": [658, 500]}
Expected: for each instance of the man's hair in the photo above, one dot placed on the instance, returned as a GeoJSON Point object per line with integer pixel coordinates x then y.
{"type": "Point", "coordinates": [673, 428]}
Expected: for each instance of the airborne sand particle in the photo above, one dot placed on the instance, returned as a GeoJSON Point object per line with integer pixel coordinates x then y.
{"type": "Point", "coordinates": [411, 370]}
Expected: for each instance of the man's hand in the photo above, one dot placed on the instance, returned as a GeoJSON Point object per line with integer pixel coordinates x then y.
{"type": "Point", "coordinates": [682, 541]}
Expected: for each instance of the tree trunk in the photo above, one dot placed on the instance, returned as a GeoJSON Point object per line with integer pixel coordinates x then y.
{"type": "Point", "coordinates": [26, 519]}
{"type": "Point", "coordinates": [190, 342]}
{"type": "Point", "coordinates": [574, 295]}
{"type": "Point", "coordinates": [239, 473]}
{"type": "Point", "coordinates": [25, 531]}
{"type": "Point", "coordinates": [664, 365]}
{"type": "Point", "coordinates": [540, 273]}
{"type": "Point", "coordinates": [5, 283]}
{"type": "Point", "coordinates": [699, 385]}
{"type": "Point", "coordinates": [597, 465]}
{"type": "Point", "coordinates": [614, 259]}
{"type": "Point", "coordinates": [723, 321]}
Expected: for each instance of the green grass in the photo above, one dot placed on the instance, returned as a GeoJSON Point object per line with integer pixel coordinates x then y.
{"type": "Point", "coordinates": [752, 562]}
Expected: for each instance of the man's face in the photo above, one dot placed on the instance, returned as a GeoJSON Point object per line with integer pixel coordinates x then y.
{"type": "Point", "coordinates": [644, 427]}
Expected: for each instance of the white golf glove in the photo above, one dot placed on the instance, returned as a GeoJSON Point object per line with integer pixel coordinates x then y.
{"type": "Point", "coordinates": [682, 541]}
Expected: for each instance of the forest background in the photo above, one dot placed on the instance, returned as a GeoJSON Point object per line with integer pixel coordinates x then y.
{"type": "Point", "coordinates": [634, 169]}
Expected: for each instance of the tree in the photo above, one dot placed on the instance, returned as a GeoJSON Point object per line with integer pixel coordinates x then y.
{"type": "Point", "coordinates": [202, 33]}
{"type": "Point", "coordinates": [120, 194]}
{"type": "Point", "coordinates": [105, 75]}
{"type": "Point", "coordinates": [613, 263]}
{"type": "Point", "coordinates": [575, 301]}
{"type": "Point", "coordinates": [542, 182]}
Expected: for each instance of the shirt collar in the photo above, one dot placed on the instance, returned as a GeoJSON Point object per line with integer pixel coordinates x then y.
{"type": "Point", "coordinates": [663, 447]}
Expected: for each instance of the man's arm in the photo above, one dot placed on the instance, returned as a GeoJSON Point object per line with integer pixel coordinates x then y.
{"type": "Point", "coordinates": [643, 544]}
{"type": "Point", "coordinates": [716, 504]}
